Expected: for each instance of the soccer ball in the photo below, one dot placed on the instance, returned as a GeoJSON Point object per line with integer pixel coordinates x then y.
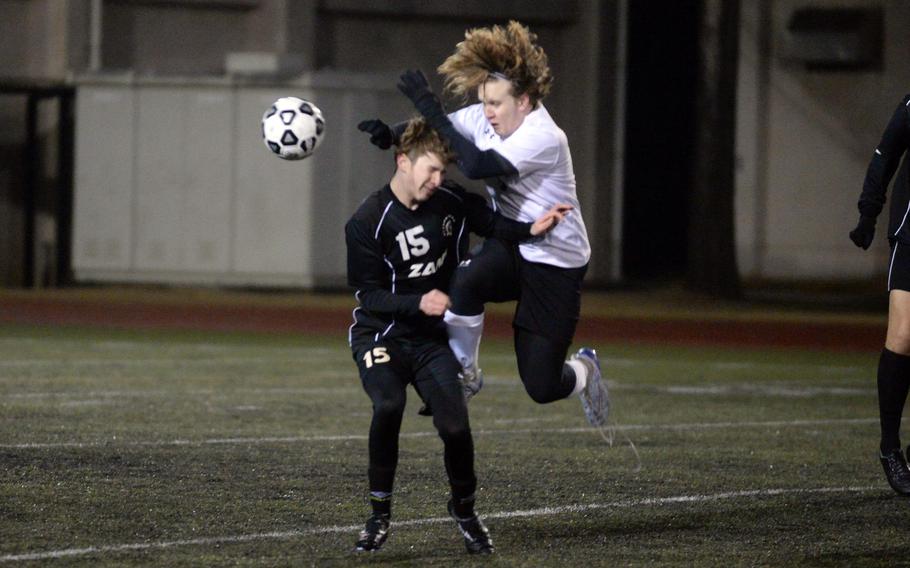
{"type": "Point", "coordinates": [292, 128]}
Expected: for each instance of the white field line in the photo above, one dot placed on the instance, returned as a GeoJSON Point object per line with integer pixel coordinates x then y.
{"type": "Point", "coordinates": [626, 363]}
{"type": "Point", "coordinates": [182, 361]}
{"type": "Point", "coordinates": [113, 442]}
{"type": "Point", "coordinates": [529, 420]}
{"type": "Point", "coordinates": [782, 390]}
{"type": "Point", "coordinates": [765, 390]}
{"type": "Point", "coordinates": [159, 347]}
{"type": "Point", "coordinates": [220, 392]}
{"type": "Point", "coordinates": [717, 389]}
{"type": "Point", "coordinates": [541, 512]}
{"type": "Point", "coordinates": [87, 402]}
{"type": "Point", "coordinates": [164, 346]}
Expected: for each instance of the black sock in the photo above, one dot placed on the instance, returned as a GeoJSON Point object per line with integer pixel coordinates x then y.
{"type": "Point", "coordinates": [893, 383]}
{"type": "Point", "coordinates": [381, 502]}
{"type": "Point", "coordinates": [463, 506]}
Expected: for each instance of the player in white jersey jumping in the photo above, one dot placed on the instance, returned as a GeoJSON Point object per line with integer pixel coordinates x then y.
{"type": "Point", "coordinates": [511, 141]}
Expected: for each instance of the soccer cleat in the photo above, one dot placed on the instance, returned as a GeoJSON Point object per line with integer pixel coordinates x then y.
{"type": "Point", "coordinates": [595, 400]}
{"type": "Point", "coordinates": [373, 534]}
{"type": "Point", "coordinates": [896, 471]}
{"type": "Point", "coordinates": [476, 536]}
{"type": "Point", "coordinates": [471, 380]}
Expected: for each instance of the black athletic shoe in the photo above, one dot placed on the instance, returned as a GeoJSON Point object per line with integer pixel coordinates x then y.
{"type": "Point", "coordinates": [476, 536]}
{"type": "Point", "coordinates": [373, 534]}
{"type": "Point", "coordinates": [896, 471]}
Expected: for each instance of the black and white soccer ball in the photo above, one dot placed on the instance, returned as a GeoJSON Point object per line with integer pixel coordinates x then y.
{"type": "Point", "coordinates": [292, 128]}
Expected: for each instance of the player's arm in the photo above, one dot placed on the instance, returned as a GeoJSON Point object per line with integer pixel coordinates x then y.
{"type": "Point", "coordinates": [473, 162]}
{"type": "Point", "coordinates": [368, 274]}
{"type": "Point", "coordinates": [884, 163]}
{"type": "Point", "coordinates": [487, 223]}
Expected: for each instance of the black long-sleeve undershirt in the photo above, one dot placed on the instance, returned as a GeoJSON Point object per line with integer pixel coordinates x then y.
{"type": "Point", "coordinates": [890, 157]}
{"type": "Point", "coordinates": [473, 162]}
{"type": "Point", "coordinates": [894, 143]}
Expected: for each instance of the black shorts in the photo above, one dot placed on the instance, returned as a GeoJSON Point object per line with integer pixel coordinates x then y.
{"type": "Point", "coordinates": [549, 297]}
{"type": "Point", "coordinates": [427, 364]}
{"type": "Point", "coordinates": [550, 302]}
{"type": "Point", "coordinates": [899, 267]}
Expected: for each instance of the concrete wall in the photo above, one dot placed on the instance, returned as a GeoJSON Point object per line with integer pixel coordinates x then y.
{"type": "Point", "coordinates": [805, 138]}
{"type": "Point", "coordinates": [174, 184]}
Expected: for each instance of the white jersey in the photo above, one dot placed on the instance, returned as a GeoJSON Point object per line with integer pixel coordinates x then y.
{"type": "Point", "coordinates": [539, 151]}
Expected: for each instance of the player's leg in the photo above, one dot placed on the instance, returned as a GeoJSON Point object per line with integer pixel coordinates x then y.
{"type": "Point", "coordinates": [545, 323]}
{"type": "Point", "coordinates": [894, 371]}
{"type": "Point", "coordinates": [894, 368]}
{"type": "Point", "coordinates": [488, 276]}
{"type": "Point", "coordinates": [542, 367]}
{"type": "Point", "coordinates": [384, 379]}
{"type": "Point", "coordinates": [548, 377]}
{"type": "Point", "coordinates": [436, 379]}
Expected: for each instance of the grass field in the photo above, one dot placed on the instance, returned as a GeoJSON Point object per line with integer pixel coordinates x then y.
{"type": "Point", "coordinates": [157, 448]}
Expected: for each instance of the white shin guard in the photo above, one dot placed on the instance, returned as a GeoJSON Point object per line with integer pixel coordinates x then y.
{"type": "Point", "coordinates": [464, 337]}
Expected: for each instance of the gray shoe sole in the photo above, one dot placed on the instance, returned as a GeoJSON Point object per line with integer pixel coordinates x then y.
{"type": "Point", "coordinates": [472, 383]}
{"type": "Point", "coordinates": [595, 399]}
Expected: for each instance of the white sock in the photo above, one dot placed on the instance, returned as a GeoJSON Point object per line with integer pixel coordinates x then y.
{"type": "Point", "coordinates": [464, 337]}
{"type": "Point", "coordinates": [581, 375]}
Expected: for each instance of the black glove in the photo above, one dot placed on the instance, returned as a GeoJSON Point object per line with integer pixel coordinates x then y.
{"type": "Point", "coordinates": [381, 134]}
{"type": "Point", "coordinates": [864, 232]}
{"type": "Point", "coordinates": [414, 85]}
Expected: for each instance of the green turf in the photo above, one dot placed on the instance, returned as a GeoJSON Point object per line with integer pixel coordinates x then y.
{"type": "Point", "coordinates": [253, 448]}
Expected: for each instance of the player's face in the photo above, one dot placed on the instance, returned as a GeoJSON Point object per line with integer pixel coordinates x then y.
{"type": "Point", "coordinates": [503, 110]}
{"type": "Point", "coordinates": [424, 175]}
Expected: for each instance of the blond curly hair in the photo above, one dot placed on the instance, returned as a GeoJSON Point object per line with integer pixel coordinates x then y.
{"type": "Point", "coordinates": [419, 139]}
{"type": "Point", "coordinates": [509, 52]}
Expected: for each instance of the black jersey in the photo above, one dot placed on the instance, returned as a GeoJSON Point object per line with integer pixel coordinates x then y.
{"type": "Point", "coordinates": [889, 153]}
{"type": "Point", "coordinates": [396, 254]}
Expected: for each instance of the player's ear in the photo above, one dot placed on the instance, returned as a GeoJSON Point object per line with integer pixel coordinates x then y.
{"type": "Point", "coordinates": [524, 102]}
{"type": "Point", "coordinates": [403, 162]}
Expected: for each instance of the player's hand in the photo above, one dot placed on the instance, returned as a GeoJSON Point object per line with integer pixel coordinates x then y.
{"type": "Point", "coordinates": [434, 303]}
{"type": "Point", "coordinates": [381, 134]}
{"type": "Point", "coordinates": [864, 232]}
{"type": "Point", "coordinates": [414, 85]}
{"type": "Point", "coordinates": [550, 219]}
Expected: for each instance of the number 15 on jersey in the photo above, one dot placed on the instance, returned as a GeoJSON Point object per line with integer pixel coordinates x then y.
{"type": "Point", "coordinates": [376, 356]}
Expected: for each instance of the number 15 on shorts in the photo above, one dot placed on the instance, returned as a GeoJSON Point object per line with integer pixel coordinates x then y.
{"type": "Point", "coordinates": [376, 356]}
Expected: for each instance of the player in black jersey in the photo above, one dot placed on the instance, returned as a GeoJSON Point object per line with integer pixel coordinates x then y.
{"type": "Point", "coordinates": [894, 363]}
{"type": "Point", "coordinates": [403, 244]}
